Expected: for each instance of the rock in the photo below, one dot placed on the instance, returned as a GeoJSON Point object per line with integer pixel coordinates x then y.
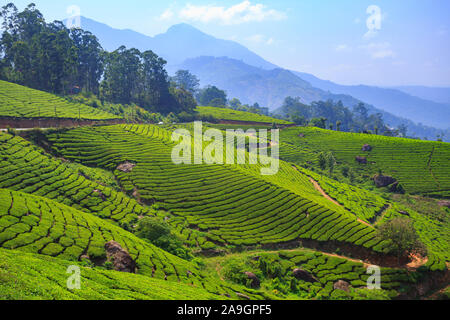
{"type": "Point", "coordinates": [444, 203]}
{"type": "Point", "coordinates": [361, 160]}
{"type": "Point", "coordinates": [126, 167]}
{"type": "Point", "coordinates": [342, 285]}
{"type": "Point", "coordinates": [367, 148]}
{"type": "Point", "coordinates": [255, 281]}
{"type": "Point", "coordinates": [303, 275]}
{"type": "Point", "coordinates": [100, 194]}
{"type": "Point", "coordinates": [383, 181]}
{"type": "Point", "coordinates": [404, 213]}
{"type": "Point", "coordinates": [119, 257]}
{"type": "Point", "coordinates": [243, 296]}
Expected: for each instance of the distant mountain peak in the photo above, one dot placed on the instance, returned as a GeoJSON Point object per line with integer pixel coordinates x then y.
{"type": "Point", "coordinates": [183, 27]}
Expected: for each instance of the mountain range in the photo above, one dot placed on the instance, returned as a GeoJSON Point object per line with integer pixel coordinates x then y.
{"type": "Point", "coordinates": [247, 76]}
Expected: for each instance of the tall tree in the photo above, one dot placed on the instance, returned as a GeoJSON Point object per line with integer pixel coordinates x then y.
{"type": "Point", "coordinates": [183, 79]}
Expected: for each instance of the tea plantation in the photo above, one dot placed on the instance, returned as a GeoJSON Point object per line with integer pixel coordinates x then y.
{"type": "Point", "coordinates": [25, 276]}
{"type": "Point", "coordinates": [234, 115]}
{"type": "Point", "coordinates": [21, 102]}
{"type": "Point", "coordinates": [421, 167]}
{"type": "Point", "coordinates": [232, 205]}
{"type": "Point", "coordinates": [59, 209]}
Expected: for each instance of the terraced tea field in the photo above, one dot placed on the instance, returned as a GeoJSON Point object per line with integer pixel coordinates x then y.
{"type": "Point", "coordinates": [37, 277]}
{"type": "Point", "coordinates": [277, 271]}
{"type": "Point", "coordinates": [234, 115]}
{"type": "Point", "coordinates": [232, 205]}
{"type": "Point", "coordinates": [27, 168]}
{"type": "Point", "coordinates": [421, 167]}
{"type": "Point", "coordinates": [37, 225]}
{"type": "Point", "coordinates": [22, 102]}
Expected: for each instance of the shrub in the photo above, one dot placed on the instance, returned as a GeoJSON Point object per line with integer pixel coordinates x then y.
{"type": "Point", "coordinates": [402, 236]}
{"type": "Point", "coordinates": [160, 234]}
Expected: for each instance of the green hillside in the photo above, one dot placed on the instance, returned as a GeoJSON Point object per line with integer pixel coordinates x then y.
{"type": "Point", "coordinates": [37, 225]}
{"type": "Point", "coordinates": [231, 204]}
{"type": "Point", "coordinates": [234, 115]}
{"type": "Point", "coordinates": [421, 167]}
{"type": "Point", "coordinates": [276, 271]}
{"type": "Point", "coordinates": [22, 102]}
{"type": "Point", "coordinates": [25, 276]}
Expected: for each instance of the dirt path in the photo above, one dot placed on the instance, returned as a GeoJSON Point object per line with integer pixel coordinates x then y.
{"type": "Point", "coordinates": [319, 188]}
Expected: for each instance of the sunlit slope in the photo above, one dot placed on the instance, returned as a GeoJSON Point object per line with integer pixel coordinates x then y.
{"type": "Point", "coordinates": [372, 208]}
{"type": "Point", "coordinates": [38, 225]}
{"type": "Point", "coordinates": [420, 166]}
{"type": "Point", "coordinates": [24, 167]}
{"type": "Point", "coordinates": [276, 270]}
{"type": "Point", "coordinates": [27, 276]}
{"type": "Point", "coordinates": [234, 115]}
{"type": "Point", "coordinates": [231, 205]}
{"type": "Point", "coordinates": [22, 102]}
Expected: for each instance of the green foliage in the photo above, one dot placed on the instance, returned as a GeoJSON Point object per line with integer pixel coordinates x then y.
{"type": "Point", "coordinates": [152, 229]}
{"type": "Point", "coordinates": [19, 101]}
{"type": "Point", "coordinates": [275, 271]}
{"type": "Point", "coordinates": [183, 79]}
{"type": "Point", "coordinates": [212, 94]}
{"type": "Point", "coordinates": [319, 113]}
{"type": "Point", "coordinates": [230, 114]}
{"type": "Point", "coordinates": [48, 56]}
{"type": "Point", "coordinates": [403, 238]}
{"type": "Point", "coordinates": [246, 210]}
{"type": "Point", "coordinates": [421, 167]}
{"type": "Point", "coordinates": [25, 276]}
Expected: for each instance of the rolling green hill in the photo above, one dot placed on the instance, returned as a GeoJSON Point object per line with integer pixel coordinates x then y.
{"type": "Point", "coordinates": [234, 115]}
{"type": "Point", "coordinates": [25, 276]}
{"type": "Point", "coordinates": [22, 102]}
{"type": "Point", "coordinates": [37, 225]}
{"type": "Point", "coordinates": [421, 167]}
{"type": "Point", "coordinates": [231, 204]}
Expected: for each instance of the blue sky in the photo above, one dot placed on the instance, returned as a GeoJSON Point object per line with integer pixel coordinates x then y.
{"type": "Point", "coordinates": [408, 42]}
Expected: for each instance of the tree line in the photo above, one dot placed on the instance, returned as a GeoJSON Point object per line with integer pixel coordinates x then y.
{"type": "Point", "coordinates": [52, 58]}
{"type": "Point", "coordinates": [335, 116]}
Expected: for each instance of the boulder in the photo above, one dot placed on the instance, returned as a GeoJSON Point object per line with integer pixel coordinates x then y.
{"type": "Point", "coordinates": [444, 203]}
{"type": "Point", "coordinates": [367, 148]}
{"type": "Point", "coordinates": [342, 285]}
{"type": "Point", "coordinates": [254, 280]}
{"type": "Point", "coordinates": [303, 275]}
{"type": "Point", "coordinates": [361, 160]}
{"type": "Point", "coordinates": [119, 257]}
{"type": "Point", "coordinates": [383, 181]}
{"type": "Point", "coordinates": [126, 167]}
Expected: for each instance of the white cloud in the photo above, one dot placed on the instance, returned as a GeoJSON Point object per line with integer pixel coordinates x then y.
{"type": "Point", "coordinates": [343, 48]}
{"type": "Point", "coordinates": [166, 15]}
{"type": "Point", "coordinates": [261, 39]}
{"type": "Point", "coordinates": [379, 50]}
{"type": "Point", "coordinates": [237, 14]}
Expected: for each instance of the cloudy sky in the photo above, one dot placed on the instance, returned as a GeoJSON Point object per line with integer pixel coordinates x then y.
{"type": "Point", "coordinates": [375, 42]}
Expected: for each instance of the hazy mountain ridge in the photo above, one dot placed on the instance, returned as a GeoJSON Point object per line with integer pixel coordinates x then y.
{"type": "Point", "coordinates": [179, 43]}
{"type": "Point", "coordinates": [394, 101]}
{"type": "Point", "coordinates": [247, 76]}
{"type": "Point", "coordinates": [438, 94]}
